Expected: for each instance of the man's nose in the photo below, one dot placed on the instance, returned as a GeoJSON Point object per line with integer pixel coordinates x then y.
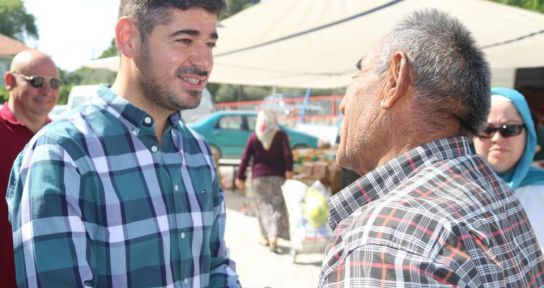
{"type": "Point", "coordinates": [201, 56]}
{"type": "Point", "coordinates": [342, 106]}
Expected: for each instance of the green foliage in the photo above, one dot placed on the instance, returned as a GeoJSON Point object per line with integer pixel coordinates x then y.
{"type": "Point", "coordinates": [222, 92]}
{"type": "Point", "coordinates": [235, 6]}
{"type": "Point", "coordinates": [86, 76]}
{"type": "Point", "coordinates": [83, 76]}
{"type": "Point", "coordinates": [535, 5]}
{"type": "Point", "coordinates": [15, 22]}
{"type": "Point", "coordinates": [111, 51]}
{"type": "Point", "coordinates": [231, 93]}
{"type": "Point", "coordinates": [64, 92]}
{"type": "Point", "coordinates": [3, 94]}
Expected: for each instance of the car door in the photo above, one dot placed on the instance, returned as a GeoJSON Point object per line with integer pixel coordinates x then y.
{"type": "Point", "coordinates": [231, 134]}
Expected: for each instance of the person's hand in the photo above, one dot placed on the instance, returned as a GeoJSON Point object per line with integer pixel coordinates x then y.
{"type": "Point", "coordinates": [288, 174]}
{"type": "Point", "coordinates": [240, 184]}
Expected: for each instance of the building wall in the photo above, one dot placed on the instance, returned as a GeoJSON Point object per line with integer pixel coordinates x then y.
{"type": "Point", "coordinates": [4, 66]}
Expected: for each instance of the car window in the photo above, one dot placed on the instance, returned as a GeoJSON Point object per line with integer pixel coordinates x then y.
{"type": "Point", "coordinates": [233, 122]}
{"type": "Point", "coordinates": [251, 122]}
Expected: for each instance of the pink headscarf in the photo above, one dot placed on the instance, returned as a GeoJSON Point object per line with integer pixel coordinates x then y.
{"type": "Point", "coordinates": [266, 128]}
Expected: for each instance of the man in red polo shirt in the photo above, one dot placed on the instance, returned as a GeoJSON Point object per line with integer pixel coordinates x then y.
{"type": "Point", "coordinates": [33, 83]}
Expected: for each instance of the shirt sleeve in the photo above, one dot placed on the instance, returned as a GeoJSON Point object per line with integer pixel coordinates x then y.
{"type": "Point", "coordinates": [246, 156]}
{"type": "Point", "coordinates": [222, 270]}
{"type": "Point", "coordinates": [50, 239]}
{"type": "Point", "coordinates": [287, 153]}
{"type": "Point", "coordinates": [383, 266]}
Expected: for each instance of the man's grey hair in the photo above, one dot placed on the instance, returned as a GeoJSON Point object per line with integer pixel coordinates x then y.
{"type": "Point", "coordinates": [449, 71]}
{"type": "Point", "coordinates": [149, 13]}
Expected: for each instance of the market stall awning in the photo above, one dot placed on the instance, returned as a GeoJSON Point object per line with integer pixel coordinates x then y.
{"type": "Point", "coordinates": [315, 43]}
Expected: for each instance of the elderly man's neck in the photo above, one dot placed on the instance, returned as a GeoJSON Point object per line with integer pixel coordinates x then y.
{"type": "Point", "coordinates": [406, 133]}
{"type": "Point", "coordinates": [415, 132]}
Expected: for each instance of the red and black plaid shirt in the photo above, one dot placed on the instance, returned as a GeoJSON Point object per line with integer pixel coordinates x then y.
{"type": "Point", "coordinates": [435, 216]}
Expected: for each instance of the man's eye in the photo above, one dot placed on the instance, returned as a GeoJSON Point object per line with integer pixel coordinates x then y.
{"type": "Point", "coordinates": [185, 41]}
{"type": "Point", "coordinates": [212, 44]}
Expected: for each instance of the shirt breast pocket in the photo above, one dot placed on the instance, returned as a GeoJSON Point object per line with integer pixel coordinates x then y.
{"type": "Point", "coordinates": [204, 197]}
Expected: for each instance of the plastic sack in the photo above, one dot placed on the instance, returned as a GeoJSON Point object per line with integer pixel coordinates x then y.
{"type": "Point", "coordinates": [294, 191]}
{"type": "Point", "coordinates": [305, 237]}
{"type": "Point", "coordinates": [316, 210]}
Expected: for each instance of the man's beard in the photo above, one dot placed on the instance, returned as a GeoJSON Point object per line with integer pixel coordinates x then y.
{"type": "Point", "coordinates": [159, 94]}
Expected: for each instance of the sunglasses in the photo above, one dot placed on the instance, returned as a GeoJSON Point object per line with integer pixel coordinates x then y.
{"type": "Point", "coordinates": [506, 130]}
{"type": "Point", "coordinates": [39, 81]}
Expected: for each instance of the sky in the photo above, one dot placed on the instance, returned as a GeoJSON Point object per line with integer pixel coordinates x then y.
{"type": "Point", "coordinates": [73, 32]}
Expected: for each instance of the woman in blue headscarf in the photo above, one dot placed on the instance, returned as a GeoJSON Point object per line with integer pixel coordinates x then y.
{"type": "Point", "coordinates": [508, 144]}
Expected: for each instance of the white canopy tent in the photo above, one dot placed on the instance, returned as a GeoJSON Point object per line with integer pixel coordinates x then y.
{"type": "Point", "coordinates": [316, 43]}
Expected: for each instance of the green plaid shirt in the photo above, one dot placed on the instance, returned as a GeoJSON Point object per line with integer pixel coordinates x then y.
{"type": "Point", "coordinates": [95, 200]}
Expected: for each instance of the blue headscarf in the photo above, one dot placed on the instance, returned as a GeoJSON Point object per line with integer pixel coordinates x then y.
{"type": "Point", "coordinates": [523, 173]}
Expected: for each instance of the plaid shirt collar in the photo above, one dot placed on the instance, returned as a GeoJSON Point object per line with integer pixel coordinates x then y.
{"type": "Point", "coordinates": [127, 111]}
{"type": "Point", "coordinates": [378, 182]}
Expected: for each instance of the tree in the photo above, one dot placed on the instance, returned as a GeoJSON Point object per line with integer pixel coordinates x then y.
{"type": "Point", "coordinates": [535, 5]}
{"type": "Point", "coordinates": [111, 51]}
{"type": "Point", "coordinates": [3, 94]}
{"type": "Point", "coordinates": [83, 76]}
{"type": "Point", "coordinates": [15, 22]}
{"type": "Point", "coordinates": [235, 6]}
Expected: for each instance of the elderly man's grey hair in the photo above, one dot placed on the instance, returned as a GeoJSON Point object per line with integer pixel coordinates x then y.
{"type": "Point", "coordinates": [449, 72]}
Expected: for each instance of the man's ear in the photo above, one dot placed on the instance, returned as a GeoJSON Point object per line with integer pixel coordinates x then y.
{"type": "Point", "coordinates": [399, 79]}
{"type": "Point", "coordinates": [127, 37]}
{"type": "Point", "coordinates": [9, 80]}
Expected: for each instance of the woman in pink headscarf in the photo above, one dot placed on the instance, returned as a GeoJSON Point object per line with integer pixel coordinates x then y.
{"type": "Point", "coordinates": [272, 164]}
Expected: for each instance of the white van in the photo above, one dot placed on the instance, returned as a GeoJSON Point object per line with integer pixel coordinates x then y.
{"type": "Point", "coordinates": [78, 95]}
{"type": "Point", "coordinates": [83, 93]}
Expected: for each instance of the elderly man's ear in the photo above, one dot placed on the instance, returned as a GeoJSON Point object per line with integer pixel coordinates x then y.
{"type": "Point", "coordinates": [398, 80]}
{"type": "Point", "coordinates": [9, 80]}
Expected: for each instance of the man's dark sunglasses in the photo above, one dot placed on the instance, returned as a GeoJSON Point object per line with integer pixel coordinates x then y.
{"type": "Point", "coordinates": [39, 81]}
{"type": "Point", "coordinates": [506, 130]}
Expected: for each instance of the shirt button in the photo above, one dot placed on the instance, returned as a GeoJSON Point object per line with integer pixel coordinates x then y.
{"type": "Point", "coordinates": [203, 191]}
{"type": "Point", "coordinates": [154, 149]}
{"type": "Point", "coordinates": [182, 235]}
{"type": "Point", "coordinates": [147, 120]}
{"type": "Point", "coordinates": [176, 188]}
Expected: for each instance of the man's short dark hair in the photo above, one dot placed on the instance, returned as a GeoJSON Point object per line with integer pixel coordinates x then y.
{"type": "Point", "coordinates": [149, 13]}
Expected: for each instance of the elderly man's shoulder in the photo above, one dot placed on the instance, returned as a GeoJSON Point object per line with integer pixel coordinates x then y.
{"type": "Point", "coordinates": [427, 210]}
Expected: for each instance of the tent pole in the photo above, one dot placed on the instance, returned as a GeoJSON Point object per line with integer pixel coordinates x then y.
{"type": "Point", "coordinates": [304, 104]}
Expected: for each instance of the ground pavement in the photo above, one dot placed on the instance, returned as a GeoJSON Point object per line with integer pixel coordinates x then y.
{"type": "Point", "coordinates": [256, 265]}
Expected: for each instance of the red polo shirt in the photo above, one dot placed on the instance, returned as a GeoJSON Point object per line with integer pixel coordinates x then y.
{"type": "Point", "coordinates": [13, 138]}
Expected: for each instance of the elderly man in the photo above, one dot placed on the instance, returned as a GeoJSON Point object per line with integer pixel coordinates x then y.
{"type": "Point", "coordinates": [33, 84]}
{"type": "Point", "coordinates": [427, 212]}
